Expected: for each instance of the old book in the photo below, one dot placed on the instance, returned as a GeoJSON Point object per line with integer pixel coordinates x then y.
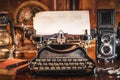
{"type": "Point", "coordinates": [13, 66]}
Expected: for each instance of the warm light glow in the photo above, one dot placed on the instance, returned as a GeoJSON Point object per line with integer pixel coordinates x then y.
{"type": "Point", "coordinates": [71, 22]}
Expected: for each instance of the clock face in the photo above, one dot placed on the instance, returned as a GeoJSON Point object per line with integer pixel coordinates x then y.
{"type": "Point", "coordinates": [26, 15]}
{"type": "Point", "coordinates": [26, 11]}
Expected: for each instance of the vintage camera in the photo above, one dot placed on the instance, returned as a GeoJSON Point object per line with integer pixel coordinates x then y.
{"type": "Point", "coordinates": [106, 34]}
{"type": "Point", "coordinates": [106, 44]}
{"type": "Point", "coordinates": [106, 40]}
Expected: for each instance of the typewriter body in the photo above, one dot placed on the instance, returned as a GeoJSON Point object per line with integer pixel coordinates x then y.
{"type": "Point", "coordinates": [61, 53]}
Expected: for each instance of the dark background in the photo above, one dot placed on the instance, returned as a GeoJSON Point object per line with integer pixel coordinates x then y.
{"type": "Point", "coordinates": [61, 5]}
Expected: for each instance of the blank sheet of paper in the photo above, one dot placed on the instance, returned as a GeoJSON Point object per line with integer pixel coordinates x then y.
{"type": "Point", "coordinates": [71, 22]}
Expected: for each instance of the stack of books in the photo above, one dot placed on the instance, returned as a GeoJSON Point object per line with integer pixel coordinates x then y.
{"type": "Point", "coordinates": [13, 66]}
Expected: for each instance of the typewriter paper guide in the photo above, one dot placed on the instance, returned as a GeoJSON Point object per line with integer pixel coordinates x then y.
{"type": "Point", "coordinates": [71, 22]}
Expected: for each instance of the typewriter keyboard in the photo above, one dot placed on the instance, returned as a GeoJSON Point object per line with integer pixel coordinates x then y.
{"type": "Point", "coordinates": [70, 62]}
{"type": "Point", "coordinates": [43, 64]}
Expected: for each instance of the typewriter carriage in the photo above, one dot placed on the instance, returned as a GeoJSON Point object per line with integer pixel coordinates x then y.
{"type": "Point", "coordinates": [61, 41]}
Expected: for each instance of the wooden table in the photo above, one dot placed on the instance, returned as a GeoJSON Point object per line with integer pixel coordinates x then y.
{"type": "Point", "coordinates": [26, 76]}
{"type": "Point", "coordinates": [99, 76]}
{"type": "Point", "coordinates": [91, 53]}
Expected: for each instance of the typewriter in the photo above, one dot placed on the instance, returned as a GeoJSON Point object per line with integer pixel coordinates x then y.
{"type": "Point", "coordinates": [61, 54]}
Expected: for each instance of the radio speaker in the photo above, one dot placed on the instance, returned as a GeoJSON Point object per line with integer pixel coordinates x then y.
{"type": "Point", "coordinates": [106, 34]}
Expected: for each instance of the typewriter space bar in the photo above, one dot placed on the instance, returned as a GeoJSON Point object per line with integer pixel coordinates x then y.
{"type": "Point", "coordinates": [63, 72]}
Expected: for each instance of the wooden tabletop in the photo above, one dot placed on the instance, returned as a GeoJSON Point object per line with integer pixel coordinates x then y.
{"type": "Point", "coordinates": [98, 76]}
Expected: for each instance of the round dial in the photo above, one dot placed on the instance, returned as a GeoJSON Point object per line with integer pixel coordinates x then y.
{"type": "Point", "coordinates": [26, 11]}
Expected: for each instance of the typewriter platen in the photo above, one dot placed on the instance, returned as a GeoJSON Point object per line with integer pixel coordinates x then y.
{"type": "Point", "coordinates": [62, 53]}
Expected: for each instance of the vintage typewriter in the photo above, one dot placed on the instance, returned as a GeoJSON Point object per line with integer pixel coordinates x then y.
{"type": "Point", "coordinates": [61, 54]}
